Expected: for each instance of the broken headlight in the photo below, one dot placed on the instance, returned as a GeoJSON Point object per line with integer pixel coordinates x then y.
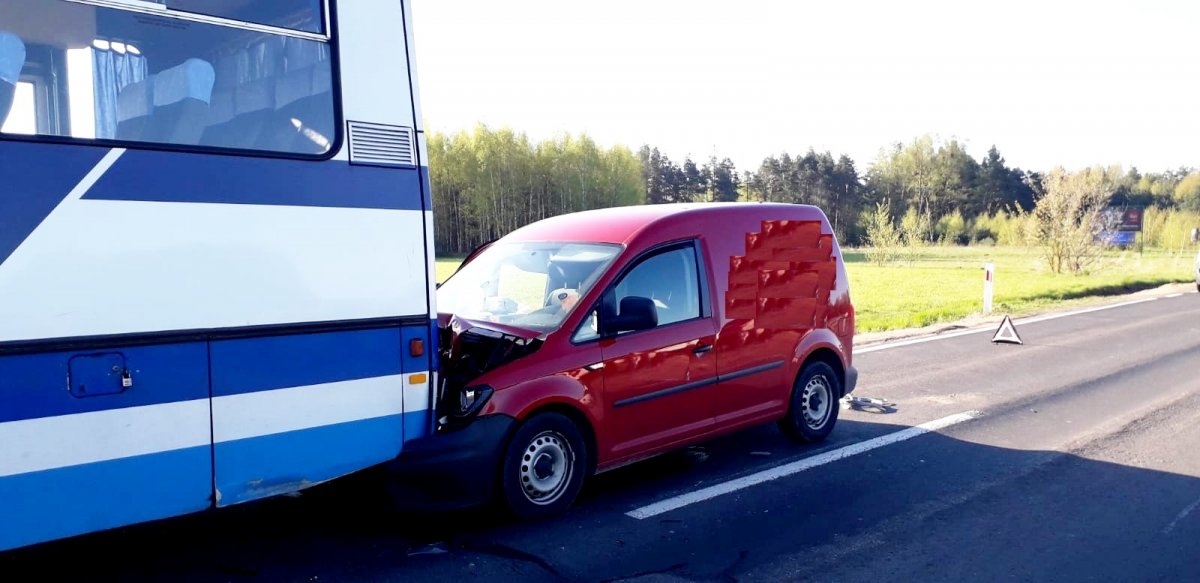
{"type": "Point", "coordinates": [459, 406]}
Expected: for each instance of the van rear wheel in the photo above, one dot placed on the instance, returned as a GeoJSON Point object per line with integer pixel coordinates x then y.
{"type": "Point", "coordinates": [544, 467]}
{"type": "Point", "coordinates": [813, 408]}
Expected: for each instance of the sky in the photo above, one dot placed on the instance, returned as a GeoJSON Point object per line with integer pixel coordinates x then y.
{"type": "Point", "coordinates": [1048, 82]}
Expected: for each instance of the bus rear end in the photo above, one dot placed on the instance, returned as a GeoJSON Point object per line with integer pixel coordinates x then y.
{"type": "Point", "coordinates": [215, 255]}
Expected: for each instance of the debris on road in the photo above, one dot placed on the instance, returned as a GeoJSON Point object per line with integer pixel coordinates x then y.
{"type": "Point", "coordinates": [431, 549]}
{"type": "Point", "coordinates": [869, 404]}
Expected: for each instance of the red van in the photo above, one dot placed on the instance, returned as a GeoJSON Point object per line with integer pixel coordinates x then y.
{"type": "Point", "coordinates": [587, 341]}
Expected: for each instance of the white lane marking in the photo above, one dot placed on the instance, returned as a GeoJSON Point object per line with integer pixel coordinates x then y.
{"type": "Point", "coordinates": [1173, 296]}
{"type": "Point", "coordinates": [796, 467]}
{"type": "Point", "coordinates": [1083, 311]}
{"type": "Point", "coordinates": [1023, 321]}
{"type": "Point", "coordinates": [902, 343]}
{"type": "Point", "coordinates": [1183, 514]}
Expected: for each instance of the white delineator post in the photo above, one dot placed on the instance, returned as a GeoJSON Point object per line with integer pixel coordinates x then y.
{"type": "Point", "coordinates": [989, 278]}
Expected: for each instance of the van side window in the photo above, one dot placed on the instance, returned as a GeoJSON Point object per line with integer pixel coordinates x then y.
{"type": "Point", "coordinates": [590, 329]}
{"type": "Point", "coordinates": [670, 280]}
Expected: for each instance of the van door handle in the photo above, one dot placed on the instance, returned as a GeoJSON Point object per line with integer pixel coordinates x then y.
{"type": "Point", "coordinates": [699, 350]}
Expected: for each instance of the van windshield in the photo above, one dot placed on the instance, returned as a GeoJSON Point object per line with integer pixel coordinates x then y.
{"type": "Point", "coordinates": [533, 285]}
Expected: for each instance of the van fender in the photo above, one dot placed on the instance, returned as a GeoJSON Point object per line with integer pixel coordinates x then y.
{"type": "Point", "coordinates": [561, 392]}
{"type": "Point", "coordinates": [523, 399]}
{"type": "Point", "coordinates": [816, 340]}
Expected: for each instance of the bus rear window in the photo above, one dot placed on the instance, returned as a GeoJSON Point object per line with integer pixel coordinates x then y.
{"type": "Point", "coordinates": [113, 74]}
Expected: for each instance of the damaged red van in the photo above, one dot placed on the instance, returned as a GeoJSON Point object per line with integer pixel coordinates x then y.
{"type": "Point", "coordinates": [587, 341]}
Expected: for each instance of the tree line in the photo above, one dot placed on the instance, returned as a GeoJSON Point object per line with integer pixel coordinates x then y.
{"type": "Point", "coordinates": [488, 182]}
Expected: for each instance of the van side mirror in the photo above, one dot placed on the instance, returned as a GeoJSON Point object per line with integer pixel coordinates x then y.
{"type": "Point", "coordinates": [636, 313]}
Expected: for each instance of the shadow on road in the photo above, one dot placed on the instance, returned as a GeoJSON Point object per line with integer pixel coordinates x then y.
{"type": "Point", "coordinates": [933, 500]}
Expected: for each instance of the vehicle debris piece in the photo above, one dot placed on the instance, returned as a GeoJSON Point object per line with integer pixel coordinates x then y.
{"type": "Point", "coordinates": [869, 404]}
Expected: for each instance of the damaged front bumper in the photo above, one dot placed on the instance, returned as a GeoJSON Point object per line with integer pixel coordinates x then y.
{"type": "Point", "coordinates": [451, 469]}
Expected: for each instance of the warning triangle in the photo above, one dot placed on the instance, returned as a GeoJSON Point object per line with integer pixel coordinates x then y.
{"type": "Point", "coordinates": [1007, 333]}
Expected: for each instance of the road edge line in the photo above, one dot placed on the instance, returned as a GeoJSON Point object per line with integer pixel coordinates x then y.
{"type": "Point", "coordinates": [1030, 320]}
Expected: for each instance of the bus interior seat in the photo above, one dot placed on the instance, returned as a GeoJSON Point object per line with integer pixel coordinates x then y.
{"type": "Point", "coordinates": [252, 101]}
{"type": "Point", "coordinates": [302, 95]}
{"type": "Point", "coordinates": [255, 103]}
{"type": "Point", "coordinates": [222, 108]}
{"type": "Point", "coordinates": [135, 105]}
{"type": "Point", "coordinates": [12, 60]}
{"type": "Point", "coordinates": [181, 96]}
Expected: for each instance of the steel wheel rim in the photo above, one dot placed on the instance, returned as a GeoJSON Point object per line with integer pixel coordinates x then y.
{"type": "Point", "coordinates": [816, 402]}
{"type": "Point", "coordinates": [547, 466]}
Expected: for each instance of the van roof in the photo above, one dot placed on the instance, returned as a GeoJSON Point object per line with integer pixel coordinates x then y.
{"type": "Point", "coordinates": [623, 224]}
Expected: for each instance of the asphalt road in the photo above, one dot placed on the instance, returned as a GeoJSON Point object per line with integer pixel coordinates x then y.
{"type": "Point", "coordinates": [1075, 456]}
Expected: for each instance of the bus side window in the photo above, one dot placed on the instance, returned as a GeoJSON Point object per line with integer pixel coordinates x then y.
{"type": "Point", "coordinates": [22, 115]}
{"type": "Point", "coordinates": [113, 73]}
{"type": "Point", "coordinates": [12, 60]}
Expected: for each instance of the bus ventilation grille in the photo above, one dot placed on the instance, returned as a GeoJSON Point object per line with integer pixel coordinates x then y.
{"type": "Point", "coordinates": [381, 145]}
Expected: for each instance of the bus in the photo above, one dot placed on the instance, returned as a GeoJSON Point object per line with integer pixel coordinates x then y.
{"type": "Point", "coordinates": [216, 255]}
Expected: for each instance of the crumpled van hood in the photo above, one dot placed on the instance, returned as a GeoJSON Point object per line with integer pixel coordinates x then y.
{"type": "Point", "coordinates": [469, 348]}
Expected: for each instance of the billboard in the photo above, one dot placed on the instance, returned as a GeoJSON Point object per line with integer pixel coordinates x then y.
{"type": "Point", "coordinates": [1123, 219]}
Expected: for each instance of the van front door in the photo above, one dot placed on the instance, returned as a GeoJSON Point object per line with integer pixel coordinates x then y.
{"type": "Point", "coordinates": [659, 383]}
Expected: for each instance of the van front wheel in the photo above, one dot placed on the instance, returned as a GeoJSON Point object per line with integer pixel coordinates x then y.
{"type": "Point", "coordinates": [813, 408]}
{"type": "Point", "coordinates": [544, 467]}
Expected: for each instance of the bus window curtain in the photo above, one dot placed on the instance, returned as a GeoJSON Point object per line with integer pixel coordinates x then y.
{"type": "Point", "coordinates": [113, 70]}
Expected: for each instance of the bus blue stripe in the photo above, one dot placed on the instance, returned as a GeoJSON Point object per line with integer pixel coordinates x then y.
{"type": "Point", "coordinates": [35, 386]}
{"type": "Point", "coordinates": [36, 178]}
{"type": "Point", "coordinates": [261, 364]}
{"type": "Point", "coordinates": [149, 175]}
{"type": "Point", "coordinates": [416, 424]}
{"type": "Point", "coordinates": [51, 504]}
{"type": "Point", "coordinates": [248, 469]}
{"type": "Point", "coordinates": [78, 499]}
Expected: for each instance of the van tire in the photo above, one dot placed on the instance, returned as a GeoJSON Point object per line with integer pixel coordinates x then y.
{"type": "Point", "coordinates": [544, 466]}
{"type": "Point", "coordinates": [813, 407]}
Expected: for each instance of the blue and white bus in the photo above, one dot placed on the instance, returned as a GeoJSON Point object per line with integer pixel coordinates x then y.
{"type": "Point", "coordinates": [215, 254]}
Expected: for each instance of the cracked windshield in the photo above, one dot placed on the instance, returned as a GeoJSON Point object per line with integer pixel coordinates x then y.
{"type": "Point", "coordinates": [531, 285]}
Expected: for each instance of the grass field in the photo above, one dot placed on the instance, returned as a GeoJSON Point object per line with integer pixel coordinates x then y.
{"type": "Point", "coordinates": [946, 283]}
